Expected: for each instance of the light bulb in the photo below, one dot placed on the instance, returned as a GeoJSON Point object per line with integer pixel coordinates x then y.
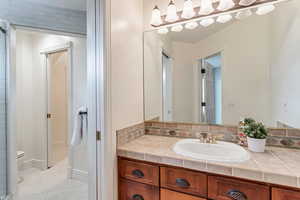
{"type": "Point", "coordinates": [225, 5]}
{"type": "Point", "coordinates": [224, 18]}
{"type": "Point", "coordinates": [171, 13]}
{"type": "Point", "coordinates": [243, 14]}
{"type": "Point", "coordinates": [177, 28]}
{"type": "Point", "coordinates": [188, 10]}
{"type": "Point", "coordinates": [263, 10]}
{"type": "Point", "coordinates": [206, 7]}
{"type": "Point", "coordinates": [207, 22]}
{"type": "Point", "coordinates": [191, 25]}
{"type": "Point", "coordinates": [156, 17]}
{"type": "Point", "coordinates": [246, 2]}
{"type": "Point", "coordinates": [163, 31]}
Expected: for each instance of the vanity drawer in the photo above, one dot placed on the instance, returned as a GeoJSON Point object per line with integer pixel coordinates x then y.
{"type": "Point", "coordinates": [220, 188]}
{"type": "Point", "coordinates": [171, 195]}
{"type": "Point", "coordinates": [282, 194]}
{"type": "Point", "coordinates": [130, 190]}
{"type": "Point", "coordinates": [140, 172]}
{"type": "Point", "coordinates": [184, 181]}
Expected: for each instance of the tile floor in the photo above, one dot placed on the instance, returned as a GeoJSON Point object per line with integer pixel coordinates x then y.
{"type": "Point", "coordinates": [51, 184]}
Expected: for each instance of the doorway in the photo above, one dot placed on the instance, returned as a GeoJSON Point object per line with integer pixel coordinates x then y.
{"type": "Point", "coordinates": [211, 87]}
{"type": "Point", "coordinates": [46, 102]}
{"type": "Point", "coordinates": [78, 20]}
{"type": "Point", "coordinates": [58, 67]}
{"type": "Point", "coordinates": [167, 87]}
{"type": "Point", "coordinates": [3, 128]}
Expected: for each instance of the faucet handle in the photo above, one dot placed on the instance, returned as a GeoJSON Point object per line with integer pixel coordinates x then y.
{"type": "Point", "coordinates": [216, 137]}
{"type": "Point", "coordinates": [204, 135]}
{"type": "Point", "coordinates": [219, 136]}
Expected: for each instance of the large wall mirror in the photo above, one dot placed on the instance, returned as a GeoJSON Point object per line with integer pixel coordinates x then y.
{"type": "Point", "coordinates": [225, 72]}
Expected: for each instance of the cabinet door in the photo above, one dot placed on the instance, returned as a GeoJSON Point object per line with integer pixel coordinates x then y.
{"type": "Point", "coordinates": [194, 183]}
{"type": "Point", "coordinates": [281, 194]}
{"type": "Point", "coordinates": [140, 172]}
{"type": "Point", "coordinates": [220, 188]}
{"type": "Point", "coordinates": [130, 190]}
{"type": "Point", "coordinates": [171, 195]}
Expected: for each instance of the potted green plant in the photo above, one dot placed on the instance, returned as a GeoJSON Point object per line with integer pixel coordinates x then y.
{"type": "Point", "coordinates": [256, 134]}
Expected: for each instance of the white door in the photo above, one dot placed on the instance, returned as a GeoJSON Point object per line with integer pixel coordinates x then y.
{"type": "Point", "coordinates": [167, 88]}
{"type": "Point", "coordinates": [57, 69]}
{"type": "Point", "coordinates": [3, 129]}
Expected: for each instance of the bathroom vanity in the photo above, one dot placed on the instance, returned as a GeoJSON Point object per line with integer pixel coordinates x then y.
{"type": "Point", "coordinates": [151, 181]}
{"type": "Point", "coordinates": [150, 170]}
{"type": "Point", "coordinates": [205, 80]}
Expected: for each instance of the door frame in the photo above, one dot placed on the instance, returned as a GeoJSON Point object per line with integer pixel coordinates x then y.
{"type": "Point", "coordinates": [165, 96]}
{"type": "Point", "coordinates": [222, 52]}
{"type": "Point", "coordinates": [70, 95]}
{"type": "Point", "coordinates": [102, 173]}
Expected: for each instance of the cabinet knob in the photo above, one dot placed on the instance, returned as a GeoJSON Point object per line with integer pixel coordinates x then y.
{"type": "Point", "coordinates": [138, 173]}
{"type": "Point", "coordinates": [137, 197]}
{"type": "Point", "coordinates": [236, 195]}
{"type": "Point", "coordinates": [182, 183]}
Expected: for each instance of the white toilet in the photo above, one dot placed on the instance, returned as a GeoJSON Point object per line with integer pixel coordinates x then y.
{"type": "Point", "coordinates": [20, 161]}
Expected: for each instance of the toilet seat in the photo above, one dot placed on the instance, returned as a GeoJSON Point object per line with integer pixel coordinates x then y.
{"type": "Point", "coordinates": [20, 154]}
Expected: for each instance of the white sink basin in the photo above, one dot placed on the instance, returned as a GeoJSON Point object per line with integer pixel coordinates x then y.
{"type": "Point", "coordinates": [220, 152]}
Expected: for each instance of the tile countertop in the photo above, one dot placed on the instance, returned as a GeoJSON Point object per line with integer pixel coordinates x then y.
{"type": "Point", "coordinates": [277, 165]}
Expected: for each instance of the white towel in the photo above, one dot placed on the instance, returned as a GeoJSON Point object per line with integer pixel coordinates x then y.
{"type": "Point", "coordinates": [79, 127]}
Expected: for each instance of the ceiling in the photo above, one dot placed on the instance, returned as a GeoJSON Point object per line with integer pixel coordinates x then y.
{"type": "Point", "coordinates": [67, 4]}
{"type": "Point", "coordinates": [200, 33]}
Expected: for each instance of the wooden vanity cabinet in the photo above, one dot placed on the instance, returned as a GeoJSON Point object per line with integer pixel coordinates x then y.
{"type": "Point", "coordinates": [130, 190]}
{"type": "Point", "coordinates": [171, 195]}
{"type": "Point", "coordinates": [186, 181]}
{"type": "Point", "coordinates": [149, 181]}
{"type": "Point", "coordinates": [220, 188]}
{"type": "Point", "coordinates": [283, 194]}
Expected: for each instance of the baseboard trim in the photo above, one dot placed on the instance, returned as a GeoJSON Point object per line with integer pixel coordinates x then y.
{"type": "Point", "coordinates": [33, 163]}
{"type": "Point", "coordinates": [78, 175]}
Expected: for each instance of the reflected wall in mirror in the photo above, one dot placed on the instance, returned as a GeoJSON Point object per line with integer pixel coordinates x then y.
{"type": "Point", "coordinates": [225, 72]}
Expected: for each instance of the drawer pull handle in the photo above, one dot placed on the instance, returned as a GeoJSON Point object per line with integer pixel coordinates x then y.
{"type": "Point", "coordinates": [138, 173]}
{"type": "Point", "coordinates": [236, 195]}
{"type": "Point", "coordinates": [182, 183]}
{"type": "Point", "coordinates": [137, 197]}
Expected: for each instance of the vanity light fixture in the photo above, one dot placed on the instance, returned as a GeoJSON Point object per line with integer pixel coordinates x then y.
{"type": "Point", "coordinates": [263, 10]}
{"type": "Point", "coordinates": [208, 11]}
{"type": "Point", "coordinates": [191, 25]}
{"type": "Point", "coordinates": [206, 7]}
{"type": "Point", "coordinates": [224, 18]}
{"type": "Point", "coordinates": [243, 14]}
{"type": "Point", "coordinates": [177, 28]}
{"type": "Point", "coordinates": [163, 31]}
{"type": "Point", "coordinates": [188, 10]}
{"type": "Point", "coordinates": [156, 17]}
{"type": "Point", "coordinates": [172, 12]}
{"type": "Point", "coordinates": [225, 5]}
{"type": "Point", "coordinates": [207, 22]}
{"type": "Point", "coordinates": [247, 2]}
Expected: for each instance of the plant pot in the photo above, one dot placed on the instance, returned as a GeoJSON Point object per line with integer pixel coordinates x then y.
{"type": "Point", "coordinates": [256, 145]}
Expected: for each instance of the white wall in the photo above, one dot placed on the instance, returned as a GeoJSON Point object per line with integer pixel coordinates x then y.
{"type": "Point", "coordinates": [285, 47]}
{"type": "Point", "coordinates": [31, 90]}
{"type": "Point", "coordinates": [126, 70]}
{"type": "Point", "coordinates": [183, 82]}
{"type": "Point", "coordinates": [154, 45]}
{"type": "Point", "coordinates": [24, 96]}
